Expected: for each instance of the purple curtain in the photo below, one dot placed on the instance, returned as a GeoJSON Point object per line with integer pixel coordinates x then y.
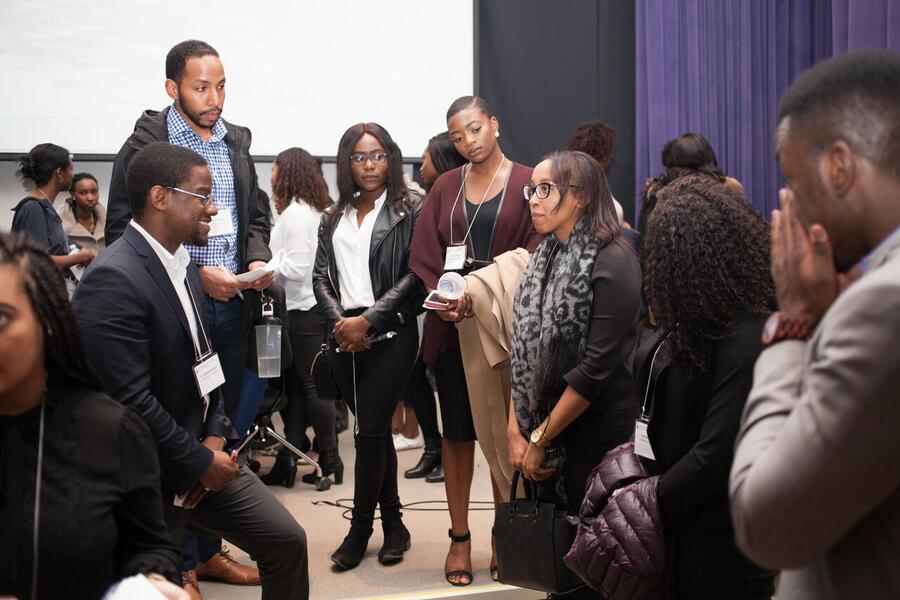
{"type": "Point", "coordinates": [718, 68]}
{"type": "Point", "coordinates": [865, 25]}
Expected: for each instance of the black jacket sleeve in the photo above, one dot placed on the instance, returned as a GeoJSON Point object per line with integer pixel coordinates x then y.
{"type": "Point", "coordinates": [142, 544]}
{"type": "Point", "coordinates": [616, 280]}
{"type": "Point", "coordinates": [118, 211]}
{"type": "Point", "coordinates": [326, 295]}
{"type": "Point", "coordinates": [114, 329]}
{"type": "Point", "coordinates": [258, 224]}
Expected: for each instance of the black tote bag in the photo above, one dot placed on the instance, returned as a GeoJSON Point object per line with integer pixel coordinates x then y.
{"type": "Point", "coordinates": [532, 537]}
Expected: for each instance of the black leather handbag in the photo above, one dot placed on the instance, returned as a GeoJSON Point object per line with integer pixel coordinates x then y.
{"type": "Point", "coordinates": [532, 537]}
{"type": "Point", "coordinates": [320, 371]}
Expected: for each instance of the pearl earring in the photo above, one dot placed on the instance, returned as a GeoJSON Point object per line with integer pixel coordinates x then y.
{"type": "Point", "coordinates": [496, 134]}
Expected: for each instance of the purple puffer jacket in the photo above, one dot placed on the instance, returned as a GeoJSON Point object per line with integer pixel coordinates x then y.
{"type": "Point", "coordinates": [618, 549]}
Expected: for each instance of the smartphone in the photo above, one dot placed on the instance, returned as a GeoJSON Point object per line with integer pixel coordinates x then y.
{"type": "Point", "coordinates": [433, 302]}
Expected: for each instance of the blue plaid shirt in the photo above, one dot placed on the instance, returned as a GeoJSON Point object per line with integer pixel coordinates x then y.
{"type": "Point", "coordinates": [221, 249]}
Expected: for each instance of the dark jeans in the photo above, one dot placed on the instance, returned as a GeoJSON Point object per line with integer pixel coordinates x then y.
{"type": "Point", "coordinates": [420, 393]}
{"type": "Point", "coordinates": [224, 326]}
{"type": "Point", "coordinates": [304, 407]}
{"type": "Point", "coordinates": [380, 375]}
{"type": "Point", "coordinates": [246, 513]}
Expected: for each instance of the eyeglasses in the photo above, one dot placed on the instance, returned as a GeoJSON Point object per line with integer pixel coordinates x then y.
{"type": "Point", "coordinates": [376, 157]}
{"type": "Point", "coordinates": [207, 199]}
{"type": "Point", "coordinates": [543, 189]}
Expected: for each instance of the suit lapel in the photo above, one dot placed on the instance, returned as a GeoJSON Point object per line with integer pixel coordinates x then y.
{"type": "Point", "coordinates": [158, 273]}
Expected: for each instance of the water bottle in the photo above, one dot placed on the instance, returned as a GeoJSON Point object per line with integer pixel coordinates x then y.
{"type": "Point", "coordinates": [268, 342]}
{"type": "Point", "coordinates": [451, 285]}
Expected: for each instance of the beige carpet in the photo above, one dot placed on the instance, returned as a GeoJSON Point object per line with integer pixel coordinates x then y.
{"type": "Point", "coordinates": [420, 575]}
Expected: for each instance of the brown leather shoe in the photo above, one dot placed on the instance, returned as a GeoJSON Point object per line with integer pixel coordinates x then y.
{"type": "Point", "coordinates": [189, 582]}
{"type": "Point", "coordinates": [222, 567]}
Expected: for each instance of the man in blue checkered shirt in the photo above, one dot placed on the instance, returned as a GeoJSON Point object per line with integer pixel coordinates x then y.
{"type": "Point", "coordinates": [238, 240]}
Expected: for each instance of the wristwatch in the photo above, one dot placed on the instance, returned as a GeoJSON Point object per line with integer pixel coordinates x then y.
{"type": "Point", "coordinates": [537, 438]}
{"type": "Point", "coordinates": [778, 328]}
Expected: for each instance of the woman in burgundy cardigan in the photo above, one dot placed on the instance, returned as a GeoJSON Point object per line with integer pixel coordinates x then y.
{"type": "Point", "coordinates": [479, 209]}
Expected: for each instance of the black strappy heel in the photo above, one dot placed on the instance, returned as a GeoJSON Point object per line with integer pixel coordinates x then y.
{"type": "Point", "coordinates": [459, 539]}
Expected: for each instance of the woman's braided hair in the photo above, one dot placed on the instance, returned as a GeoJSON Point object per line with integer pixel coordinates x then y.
{"type": "Point", "coordinates": [706, 259]}
{"type": "Point", "coordinates": [43, 282]}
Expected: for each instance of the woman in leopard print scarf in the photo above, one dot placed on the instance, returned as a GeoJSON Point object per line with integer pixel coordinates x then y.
{"type": "Point", "coordinates": [573, 330]}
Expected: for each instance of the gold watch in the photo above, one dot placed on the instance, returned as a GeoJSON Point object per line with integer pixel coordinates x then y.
{"type": "Point", "coordinates": [537, 438]}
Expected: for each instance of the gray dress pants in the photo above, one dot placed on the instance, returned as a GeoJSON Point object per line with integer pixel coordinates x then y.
{"type": "Point", "coordinates": [246, 514]}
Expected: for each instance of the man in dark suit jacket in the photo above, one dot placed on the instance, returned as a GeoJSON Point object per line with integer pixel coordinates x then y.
{"type": "Point", "coordinates": [144, 333]}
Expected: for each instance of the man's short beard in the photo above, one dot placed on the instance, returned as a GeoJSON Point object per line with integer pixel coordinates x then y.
{"type": "Point", "coordinates": [194, 118]}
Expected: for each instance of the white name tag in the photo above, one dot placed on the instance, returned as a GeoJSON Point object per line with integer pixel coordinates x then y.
{"type": "Point", "coordinates": [221, 224]}
{"type": "Point", "coordinates": [456, 258]}
{"type": "Point", "coordinates": [642, 441]}
{"type": "Point", "coordinates": [209, 375]}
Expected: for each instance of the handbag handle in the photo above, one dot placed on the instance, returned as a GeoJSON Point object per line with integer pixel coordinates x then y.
{"type": "Point", "coordinates": [530, 494]}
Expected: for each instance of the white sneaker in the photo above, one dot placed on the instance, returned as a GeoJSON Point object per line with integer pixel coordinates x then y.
{"type": "Point", "coordinates": [402, 442]}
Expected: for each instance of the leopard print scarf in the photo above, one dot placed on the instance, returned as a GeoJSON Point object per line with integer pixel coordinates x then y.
{"type": "Point", "coordinates": [550, 322]}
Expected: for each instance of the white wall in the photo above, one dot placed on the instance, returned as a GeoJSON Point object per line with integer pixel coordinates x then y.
{"type": "Point", "coordinates": [11, 190]}
{"type": "Point", "coordinates": [299, 72]}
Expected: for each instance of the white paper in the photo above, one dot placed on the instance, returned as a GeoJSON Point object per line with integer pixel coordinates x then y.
{"type": "Point", "coordinates": [136, 587]}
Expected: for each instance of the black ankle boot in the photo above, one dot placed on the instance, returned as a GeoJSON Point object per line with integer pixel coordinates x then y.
{"type": "Point", "coordinates": [284, 471]}
{"type": "Point", "coordinates": [436, 476]}
{"type": "Point", "coordinates": [431, 458]}
{"type": "Point", "coordinates": [331, 463]}
{"type": "Point", "coordinates": [351, 551]}
{"type": "Point", "coordinates": [396, 540]}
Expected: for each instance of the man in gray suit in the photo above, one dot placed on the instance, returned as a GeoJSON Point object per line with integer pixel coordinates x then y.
{"type": "Point", "coordinates": [815, 484]}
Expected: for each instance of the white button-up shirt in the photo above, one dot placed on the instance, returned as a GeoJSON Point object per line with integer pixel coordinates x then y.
{"type": "Point", "coordinates": [176, 266]}
{"type": "Point", "coordinates": [352, 243]}
{"type": "Point", "coordinates": [294, 240]}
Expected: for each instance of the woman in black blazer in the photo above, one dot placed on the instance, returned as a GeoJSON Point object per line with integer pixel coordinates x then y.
{"type": "Point", "coordinates": [707, 281]}
{"type": "Point", "coordinates": [88, 461]}
{"type": "Point", "coordinates": [369, 298]}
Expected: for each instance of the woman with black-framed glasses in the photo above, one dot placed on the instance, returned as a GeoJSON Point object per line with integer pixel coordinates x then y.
{"type": "Point", "coordinates": [369, 298]}
{"type": "Point", "coordinates": [576, 307]}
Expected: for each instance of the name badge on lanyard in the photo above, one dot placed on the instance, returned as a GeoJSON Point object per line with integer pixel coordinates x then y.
{"type": "Point", "coordinates": [642, 445]}
{"type": "Point", "coordinates": [455, 259]}
{"type": "Point", "coordinates": [221, 224]}
{"type": "Point", "coordinates": [208, 373]}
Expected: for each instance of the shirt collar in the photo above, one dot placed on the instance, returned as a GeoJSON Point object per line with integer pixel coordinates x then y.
{"type": "Point", "coordinates": [179, 128]}
{"type": "Point", "coordinates": [881, 252]}
{"type": "Point", "coordinates": [379, 202]}
{"type": "Point", "coordinates": [173, 262]}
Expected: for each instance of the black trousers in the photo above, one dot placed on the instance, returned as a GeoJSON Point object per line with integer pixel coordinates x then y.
{"type": "Point", "coordinates": [246, 514]}
{"type": "Point", "coordinates": [305, 408]}
{"type": "Point", "coordinates": [373, 382]}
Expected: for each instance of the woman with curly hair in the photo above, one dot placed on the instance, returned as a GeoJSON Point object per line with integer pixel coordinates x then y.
{"type": "Point", "coordinates": [301, 194]}
{"type": "Point", "coordinates": [707, 283]}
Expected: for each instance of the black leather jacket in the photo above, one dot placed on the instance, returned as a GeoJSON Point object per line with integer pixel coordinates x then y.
{"type": "Point", "coordinates": [398, 291]}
